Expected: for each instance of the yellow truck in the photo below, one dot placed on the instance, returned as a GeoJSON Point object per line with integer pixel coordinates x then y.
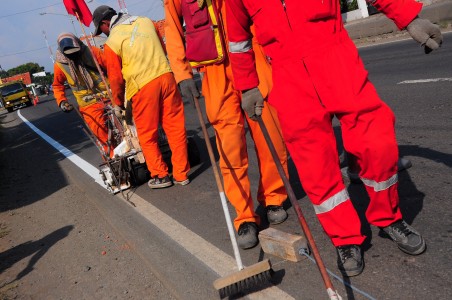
{"type": "Point", "coordinates": [14, 94]}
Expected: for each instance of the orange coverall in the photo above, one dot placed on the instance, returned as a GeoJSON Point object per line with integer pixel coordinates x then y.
{"type": "Point", "coordinates": [156, 102]}
{"type": "Point", "coordinates": [223, 108]}
{"type": "Point", "coordinates": [93, 114]}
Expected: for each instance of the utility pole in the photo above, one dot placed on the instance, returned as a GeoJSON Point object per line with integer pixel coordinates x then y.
{"type": "Point", "coordinates": [1, 69]}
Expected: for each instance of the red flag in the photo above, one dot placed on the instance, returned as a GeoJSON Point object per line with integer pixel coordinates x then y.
{"type": "Point", "coordinates": [79, 7]}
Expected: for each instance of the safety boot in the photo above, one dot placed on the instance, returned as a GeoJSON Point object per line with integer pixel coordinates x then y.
{"type": "Point", "coordinates": [247, 235]}
{"type": "Point", "coordinates": [159, 183]}
{"type": "Point", "coordinates": [407, 239]}
{"type": "Point", "coordinates": [349, 260]}
{"type": "Point", "coordinates": [276, 214]}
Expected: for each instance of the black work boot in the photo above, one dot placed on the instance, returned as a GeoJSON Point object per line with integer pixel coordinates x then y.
{"type": "Point", "coordinates": [276, 214]}
{"type": "Point", "coordinates": [407, 239]}
{"type": "Point", "coordinates": [247, 235]}
{"type": "Point", "coordinates": [349, 260]}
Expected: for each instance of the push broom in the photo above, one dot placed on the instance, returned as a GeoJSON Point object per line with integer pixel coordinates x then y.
{"type": "Point", "coordinates": [246, 278]}
{"type": "Point", "coordinates": [332, 293]}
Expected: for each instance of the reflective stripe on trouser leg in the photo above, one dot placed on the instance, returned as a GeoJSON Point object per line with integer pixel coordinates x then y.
{"type": "Point", "coordinates": [225, 114]}
{"type": "Point", "coordinates": [310, 139]}
{"type": "Point", "coordinates": [333, 213]}
{"type": "Point", "coordinates": [383, 209]}
{"type": "Point", "coordinates": [369, 135]}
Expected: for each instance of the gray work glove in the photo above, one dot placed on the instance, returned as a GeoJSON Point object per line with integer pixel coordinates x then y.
{"type": "Point", "coordinates": [66, 106]}
{"type": "Point", "coordinates": [118, 111]}
{"type": "Point", "coordinates": [426, 33]}
{"type": "Point", "coordinates": [252, 103]}
{"type": "Point", "coordinates": [188, 89]}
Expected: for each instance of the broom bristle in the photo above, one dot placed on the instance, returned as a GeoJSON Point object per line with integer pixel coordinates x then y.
{"type": "Point", "coordinates": [245, 280]}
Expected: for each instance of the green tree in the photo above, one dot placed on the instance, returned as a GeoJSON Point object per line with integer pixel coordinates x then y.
{"type": "Point", "coordinates": [28, 67]}
{"type": "Point", "coordinates": [347, 5]}
{"type": "Point", "coordinates": [3, 73]}
{"type": "Point", "coordinates": [32, 68]}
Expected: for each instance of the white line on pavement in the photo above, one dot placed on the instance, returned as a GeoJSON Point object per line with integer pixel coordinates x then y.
{"type": "Point", "coordinates": [82, 164]}
{"type": "Point", "coordinates": [214, 258]}
{"type": "Point", "coordinates": [425, 80]}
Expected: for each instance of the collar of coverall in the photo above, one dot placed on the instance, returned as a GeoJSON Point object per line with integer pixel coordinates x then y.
{"type": "Point", "coordinates": [122, 19]}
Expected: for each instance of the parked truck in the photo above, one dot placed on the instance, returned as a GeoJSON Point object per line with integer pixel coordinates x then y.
{"type": "Point", "coordinates": [14, 94]}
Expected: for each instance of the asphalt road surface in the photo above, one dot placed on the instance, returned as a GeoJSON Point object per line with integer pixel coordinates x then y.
{"type": "Point", "coordinates": [178, 237]}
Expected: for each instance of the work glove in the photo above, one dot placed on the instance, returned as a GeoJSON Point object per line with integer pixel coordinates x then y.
{"type": "Point", "coordinates": [188, 89]}
{"type": "Point", "coordinates": [118, 111]}
{"type": "Point", "coordinates": [252, 103]}
{"type": "Point", "coordinates": [66, 106]}
{"type": "Point", "coordinates": [426, 33]}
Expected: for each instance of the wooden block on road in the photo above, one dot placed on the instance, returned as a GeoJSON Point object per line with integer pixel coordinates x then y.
{"type": "Point", "coordinates": [282, 244]}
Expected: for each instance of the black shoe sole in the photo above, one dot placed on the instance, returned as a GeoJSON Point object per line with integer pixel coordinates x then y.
{"type": "Point", "coordinates": [417, 252]}
{"type": "Point", "coordinates": [160, 186]}
{"type": "Point", "coordinates": [352, 273]}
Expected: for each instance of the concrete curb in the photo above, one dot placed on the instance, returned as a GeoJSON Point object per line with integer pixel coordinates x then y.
{"type": "Point", "coordinates": [379, 24]}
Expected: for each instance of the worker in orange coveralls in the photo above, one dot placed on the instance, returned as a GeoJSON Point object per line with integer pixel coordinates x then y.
{"type": "Point", "coordinates": [223, 108]}
{"type": "Point", "coordinates": [74, 64]}
{"type": "Point", "coordinates": [312, 55]}
{"type": "Point", "coordinates": [136, 64]}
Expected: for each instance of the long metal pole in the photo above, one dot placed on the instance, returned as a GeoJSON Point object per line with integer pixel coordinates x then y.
{"type": "Point", "coordinates": [304, 225]}
{"type": "Point", "coordinates": [88, 42]}
{"type": "Point", "coordinates": [48, 46]}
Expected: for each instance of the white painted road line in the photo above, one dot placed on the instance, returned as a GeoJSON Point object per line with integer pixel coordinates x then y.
{"type": "Point", "coordinates": [82, 164]}
{"type": "Point", "coordinates": [425, 80]}
{"type": "Point", "coordinates": [214, 258]}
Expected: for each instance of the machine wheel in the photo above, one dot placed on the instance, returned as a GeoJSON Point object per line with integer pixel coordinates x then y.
{"type": "Point", "coordinates": [29, 103]}
{"type": "Point", "coordinates": [10, 109]}
{"type": "Point", "coordinates": [139, 172]}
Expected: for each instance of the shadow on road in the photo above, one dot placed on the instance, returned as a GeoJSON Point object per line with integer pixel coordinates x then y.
{"type": "Point", "coordinates": [36, 248]}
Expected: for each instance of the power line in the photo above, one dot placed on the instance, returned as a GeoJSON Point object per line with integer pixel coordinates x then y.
{"type": "Point", "coordinates": [22, 52]}
{"type": "Point", "coordinates": [27, 11]}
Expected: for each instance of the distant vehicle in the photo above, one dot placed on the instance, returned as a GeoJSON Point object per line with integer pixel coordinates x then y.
{"type": "Point", "coordinates": [66, 85]}
{"type": "Point", "coordinates": [14, 94]}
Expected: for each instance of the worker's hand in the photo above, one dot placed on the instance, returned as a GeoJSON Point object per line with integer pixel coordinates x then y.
{"type": "Point", "coordinates": [118, 111]}
{"type": "Point", "coordinates": [253, 103]}
{"type": "Point", "coordinates": [426, 33]}
{"type": "Point", "coordinates": [188, 89]}
{"type": "Point", "coordinates": [66, 106]}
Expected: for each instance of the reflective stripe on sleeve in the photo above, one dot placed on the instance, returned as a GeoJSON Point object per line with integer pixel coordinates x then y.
{"type": "Point", "coordinates": [381, 186]}
{"type": "Point", "coordinates": [332, 202]}
{"type": "Point", "coordinates": [240, 47]}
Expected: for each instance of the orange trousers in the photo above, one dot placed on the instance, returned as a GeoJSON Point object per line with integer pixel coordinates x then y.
{"type": "Point", "coordinates": [223, 108]}
{"type": "Point", "coordinates": [94, 116]}
{"type": "Point", "coordinates": [159, 102]}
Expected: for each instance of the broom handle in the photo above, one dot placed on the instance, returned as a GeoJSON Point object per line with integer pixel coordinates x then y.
{"type": "Point", "coordinates": [219, 185]}
{"type": "Point", "coordinates": [293, 201]}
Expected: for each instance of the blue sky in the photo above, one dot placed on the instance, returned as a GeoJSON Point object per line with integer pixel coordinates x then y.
{"type": "Point", "coordinates": [22, 25]}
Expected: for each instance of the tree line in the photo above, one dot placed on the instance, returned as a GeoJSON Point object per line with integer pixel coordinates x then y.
{"type": "Point", "coordinates": [32, 68]}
